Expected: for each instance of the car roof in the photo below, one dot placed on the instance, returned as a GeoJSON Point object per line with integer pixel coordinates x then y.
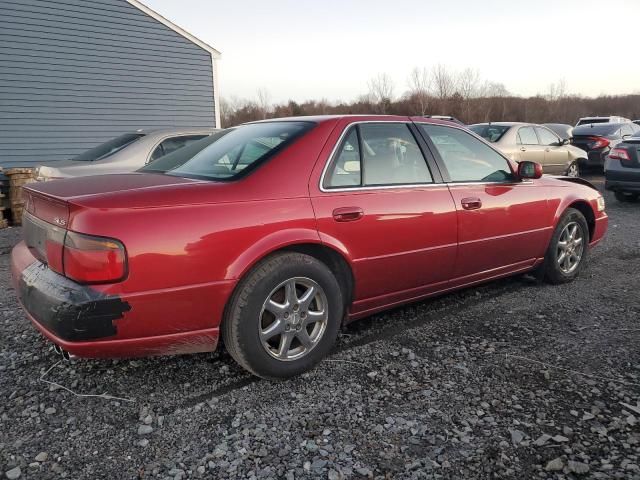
{"type": "Point", "coordinates": [505, 124]}
{"type": "Point", "coordinates": [372, 117]}
{"type": "Point", "coordinates": [173, 131]}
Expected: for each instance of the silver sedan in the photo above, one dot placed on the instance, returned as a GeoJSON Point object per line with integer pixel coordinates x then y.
{"type": "Point", "coordinates": [126, 153]}
{"type": "Point", "coordinates": [535, 143]}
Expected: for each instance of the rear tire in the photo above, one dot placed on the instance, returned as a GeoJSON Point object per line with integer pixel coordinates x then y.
{"type": "Point", "coordinates": [284, 316]}
{"type": "Point", "coordinates": [626, 197]}
{"type": "Point", "coordinates": [568, 248]}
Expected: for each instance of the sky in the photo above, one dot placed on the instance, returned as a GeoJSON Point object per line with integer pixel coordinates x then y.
{"type": "Point", "coordinates": [331, 48]}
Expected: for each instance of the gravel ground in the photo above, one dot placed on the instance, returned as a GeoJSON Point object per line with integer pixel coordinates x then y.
{"type": "Point", "coordinates": [509, 380]}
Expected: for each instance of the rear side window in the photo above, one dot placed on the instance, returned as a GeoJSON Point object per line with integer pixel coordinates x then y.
{"type": "Point", "coordinates": [240, 150]}
{"type": "Point", "coordinates": [527, 136]}
{"type": "Point", "coordinates": [170, 145]}
{"type": "Point", "coordinates": [109, 148]}
{"type": "Point", "coordinates": [466, 158]}
{"type": "Point", "coordinates": [378, 154]}
{"type": "Point", "coordinates": [491, 133]}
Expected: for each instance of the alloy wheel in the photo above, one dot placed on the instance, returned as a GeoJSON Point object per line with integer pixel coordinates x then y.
{"type": "Point", "coordinates": [573, 170]}
{"type": "Point", "coordinates": [570, 248]}
{"type": "Point", "coordinates": [293, 319]}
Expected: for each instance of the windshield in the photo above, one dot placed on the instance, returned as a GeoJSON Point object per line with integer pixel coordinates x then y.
{"type": "Point", "coordinates": [491, 133]}
{"type": "Point", "coordinates": [596, 129]}
{"type": "Point", "coordinates": [238, 151]}
{"type": "Point", "coordinates": [107, 149]}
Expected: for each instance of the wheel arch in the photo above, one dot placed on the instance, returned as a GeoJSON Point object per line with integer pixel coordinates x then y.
{"type": "Point", "coordinates": [585, 208]}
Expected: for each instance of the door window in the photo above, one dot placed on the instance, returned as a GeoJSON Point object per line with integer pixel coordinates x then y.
{"type": "Point", "coordinates": [377, 154]}
{"type": "Point", "coordinates": [527, 136]}
{"type": "Point", "coordinates": [170, 145]}
{"type": "Point", "coordinates": [466, 158]}
{"type": "Point", "coordinates": [546, 137]}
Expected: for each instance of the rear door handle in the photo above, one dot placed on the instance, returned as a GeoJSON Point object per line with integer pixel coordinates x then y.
{"type": "Point", "coordinates": [348, 214]}
{"type": "Point", "coordinates": [471, 203]}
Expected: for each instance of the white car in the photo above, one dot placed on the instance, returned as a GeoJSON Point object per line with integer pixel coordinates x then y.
{"type": "Point", "coordinates": [609, 119]}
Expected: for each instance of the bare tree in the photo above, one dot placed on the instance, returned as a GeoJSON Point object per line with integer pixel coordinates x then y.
{"type": "Point", "coordinates": [419, 86]}
{"type": "Point", "coordinates": [381, 91]}
{"type": "Point", "coordinates": [264, 101]}
{"type": "Point", "coordinates": [443, 82]}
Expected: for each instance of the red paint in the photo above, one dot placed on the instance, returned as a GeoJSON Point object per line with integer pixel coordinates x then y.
{"type": "Point", "coordinates": [189, 242]}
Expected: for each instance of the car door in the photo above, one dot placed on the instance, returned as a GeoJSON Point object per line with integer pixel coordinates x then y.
{"type": "Point", "coordinates": [503, 222]}
{"type": "Point", "coordinates": [529, 147]}
{"type": "Point", "coordinates": [556, 155]}
{"type": "Point", "coordinates": [386, 207]}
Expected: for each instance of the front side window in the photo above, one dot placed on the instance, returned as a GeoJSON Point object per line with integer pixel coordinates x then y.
{"type": "Point", "coordinates": [466, 158]}
{"type": "Point", "coordinates": [527, 136]}
{"type": "Point", "coordinates": [238, 151]}
{"type": "Point", "coordinates": [378, 154]}
{"type": "Point", "coordinates": [109, 148]}
{"type": "Point", "coordinates": [546, 137]}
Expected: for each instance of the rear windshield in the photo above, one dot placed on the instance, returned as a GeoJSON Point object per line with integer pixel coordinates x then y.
{"type": "Point", "coordinates": [596, 129]}
{"type": "Point", "coordinates": [492, 133]}
{"type": "Point", "coordinates": [107, 149]}
{"type": "Point", "coordinates": [239, 150]}
{"type": "Point", "coordinates": [586, 121]}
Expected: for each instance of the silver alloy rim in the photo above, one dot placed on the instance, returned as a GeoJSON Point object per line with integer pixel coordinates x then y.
{"type": "Point", "coordinates": [573, 170]}
{"type": "Point", "coordinates": [293, 319]}
{"type": "Point", "coordinates": [570, 247]}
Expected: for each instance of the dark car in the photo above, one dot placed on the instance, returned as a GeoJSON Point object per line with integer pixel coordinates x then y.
{"type": "Point", "coordinates": [622, 169]}
{"type": "Point", "coordinates": [598, 139]}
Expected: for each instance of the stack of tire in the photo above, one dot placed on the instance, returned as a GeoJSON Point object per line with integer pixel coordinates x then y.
{"type": "Point", "coordinates": [17, 178]}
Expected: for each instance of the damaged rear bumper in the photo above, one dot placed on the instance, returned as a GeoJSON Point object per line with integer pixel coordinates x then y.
{"type": "Point", "coordinates": [85, 321]}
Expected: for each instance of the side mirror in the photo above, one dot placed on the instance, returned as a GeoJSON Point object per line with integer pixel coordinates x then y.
{"type": "Point", "coordinates": [624, 137]}
{"type": "Point", "coordinates": [530, 170]}
{"type": "Point", "coordinates": [565, 141]}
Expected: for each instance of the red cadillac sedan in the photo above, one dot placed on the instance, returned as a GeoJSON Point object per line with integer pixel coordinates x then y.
{"type": "Point", "coordinates": [273, 234]}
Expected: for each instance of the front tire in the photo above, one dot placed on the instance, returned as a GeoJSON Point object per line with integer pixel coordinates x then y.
{"type": "Point", "coordinates": [568, 248]}
{"type": "Point", "coordinates": [573, 170]}
{"type": "Point", "coordinates": [284, 316]}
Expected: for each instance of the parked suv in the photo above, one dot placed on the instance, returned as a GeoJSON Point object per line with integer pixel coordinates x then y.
{"type": "Point", "coordinates": [598, 139]}
{"type": "Point", "coordinates": [122, 154]}
{"type": "Point", "coordinates": [534, 143]}
{"type": "Point", "coordinates": [610, 119]}
{"type": "Point", "coordinates": [622, 169]}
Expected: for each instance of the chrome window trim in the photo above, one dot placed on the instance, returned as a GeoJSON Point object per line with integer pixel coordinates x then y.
{"type": "Point", "coordinates": [371, 187]}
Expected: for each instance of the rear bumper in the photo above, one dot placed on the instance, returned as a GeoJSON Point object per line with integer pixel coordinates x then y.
{"type": "Point", "coordinates": [619, 178]}
{"type": "Point", "coordinates": [595, 158]}
{"type": "Point", "coordinates": [86, 322]}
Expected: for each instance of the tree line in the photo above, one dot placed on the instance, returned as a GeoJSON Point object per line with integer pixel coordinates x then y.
{"type": "Point", "coordinates": [440, 90]}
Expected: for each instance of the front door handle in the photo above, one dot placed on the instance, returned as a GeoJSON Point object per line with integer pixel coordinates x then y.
{"type": "Point", "coordinates": [522, 149]}
{"type": "Point", "coordinates": [471, 203]}
{"type": "Point", "coordinates": [348, 214]}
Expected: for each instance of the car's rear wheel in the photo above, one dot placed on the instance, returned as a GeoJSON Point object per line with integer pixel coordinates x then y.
{"type": "Point", "coordinates": [626, 196]}
{"type": "Point", "coordinates": [568, 248]}
{"type": "Point", "coordinates": [284, 316]}
{"type": "Point", "coordinates": [573, 170]}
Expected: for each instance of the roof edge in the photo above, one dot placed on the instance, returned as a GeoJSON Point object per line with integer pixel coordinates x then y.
{"type": "Point", "coordinates": [152, 13]}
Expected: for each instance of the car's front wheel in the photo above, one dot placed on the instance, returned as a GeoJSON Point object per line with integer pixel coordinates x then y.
{"type": "Point", "coordinates": [568, 248]}
{"type": "Point", "coordinates": [573, 170]}
{"type": "Point", "coordinates": [284, 316]}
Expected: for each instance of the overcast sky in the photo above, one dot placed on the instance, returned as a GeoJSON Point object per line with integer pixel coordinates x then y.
{"type": "Point", "coordinates": [302, 49]}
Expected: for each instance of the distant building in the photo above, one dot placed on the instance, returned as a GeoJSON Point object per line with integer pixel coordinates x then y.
{"type": "Point", "coordinates": [75, 73]}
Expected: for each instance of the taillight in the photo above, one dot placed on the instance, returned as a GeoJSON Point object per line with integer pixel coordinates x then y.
{"type": "Point", "coordinates": [54, 248]}
{"type": "Point", "coordinates": [620, 154]}
{"type": "Point", "coordinates": [599, 142]}
{"type": "Point", "coordinates": [89, 259]}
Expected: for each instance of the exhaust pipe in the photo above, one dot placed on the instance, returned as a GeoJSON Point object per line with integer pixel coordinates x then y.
{"type": "Point", "coordinates": [63, 353]}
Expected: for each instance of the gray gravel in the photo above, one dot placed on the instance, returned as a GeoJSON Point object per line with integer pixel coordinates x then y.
{"type": "Point", "coordinates": [478, 384]}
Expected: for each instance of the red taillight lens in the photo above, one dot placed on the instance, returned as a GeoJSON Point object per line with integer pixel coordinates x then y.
{"type": "Point", "coordinates": [620, 154]}
{"type": "Point", "coordinates": [54, 248]}
{"type": "Point", "coordinates": [599, 142]}
{"type": "Point", "coordinates": [89, 259]}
